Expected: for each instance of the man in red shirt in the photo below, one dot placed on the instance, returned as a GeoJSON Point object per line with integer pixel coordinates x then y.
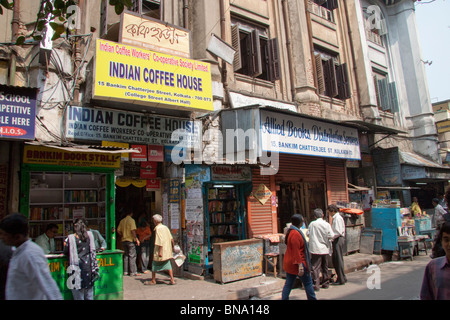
{"type": "Point", "coordinates": [297, 260]}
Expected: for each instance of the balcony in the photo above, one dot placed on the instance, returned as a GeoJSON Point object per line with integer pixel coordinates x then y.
{"type": "Point", "coordinates": [320, 11]}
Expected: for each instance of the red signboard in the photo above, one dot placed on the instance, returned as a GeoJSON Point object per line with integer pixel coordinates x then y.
{"type": "Point", "coordinates": [155, 153]}
{"type": "Point", "coordinates": [142, 155]}
{"type": "Point", "coordinates": [153, 184]}
{"type": "Point", "coordinates": [149, 169]}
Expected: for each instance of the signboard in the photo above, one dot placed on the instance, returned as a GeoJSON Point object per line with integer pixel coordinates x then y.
{"type": "Point", "coordinates": [17, 112]}
{"type": "Point", "coordinates": [83, 123]}
{"type": "Point", "coordinates": [443, 126]}
{"type": "Point", "coordinates": [154, 35]}
{"type": "Point", "coordinates": [387, 166]}
{"type": "Point", "coordinates": [290, 134]}
{"type": "Point", "coordinates": [60, 157]}
{"type": "Point", "coordinates": [262, 194]}
{"type": "Point", "coordinates": [142, 155]}
{"type": "Point", "coordinates": [174, 191]}
{"type": "Point", "coordinates": [236, 260]}
{"type": "Point", "coordinates": [230, 173]}
{"type": "Point", "coordinates": [135, 75]}
{"type": "Point", "coordinates": [153, 184]}
{"type": "Point", "coordinates": [156, 153]}
{"type": "Point", "coordinates": [149, 170]}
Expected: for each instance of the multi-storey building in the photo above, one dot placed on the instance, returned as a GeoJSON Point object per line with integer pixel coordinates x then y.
{"type": "Point", "coordinates": [315, 94]}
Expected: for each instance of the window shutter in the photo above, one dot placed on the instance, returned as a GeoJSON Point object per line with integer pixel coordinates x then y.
{"type": "Point", "coordinates": [393, 97]}
{"type": "Point", "coordinates": [330, 78]}
{"type": "Point", "coordinates": [343, 82]}
{"type": "Point", "coordinates": [377, 91]}
{"type": "Point", "coordinates": [274, 60]}
{"type": "Point", "coordinates": [320, 76]}
{"type": "Point", "coordinates": [384, 94]}
{"type": "Point", "coordinates": [255, 65]}
{"type": "Point", "coordinates": [236, 44]}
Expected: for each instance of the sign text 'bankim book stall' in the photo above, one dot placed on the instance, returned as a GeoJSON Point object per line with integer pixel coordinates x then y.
{"type": "Point", "coordinates": [125, 73]}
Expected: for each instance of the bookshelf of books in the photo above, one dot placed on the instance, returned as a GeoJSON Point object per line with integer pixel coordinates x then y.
{"type": "Point", "coordinates": [225, 214]}
{"type": "Point", "coordinates": [61, 197]}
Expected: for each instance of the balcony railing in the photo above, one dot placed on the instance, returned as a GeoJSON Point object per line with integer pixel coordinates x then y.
{"type": "Point", "coordinates": [320, 11]}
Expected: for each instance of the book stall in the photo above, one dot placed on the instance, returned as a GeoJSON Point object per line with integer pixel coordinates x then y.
{"type": "Point", "coordinates": [57, 187]}
{"type": "Point", "coordinates": [402, 232]}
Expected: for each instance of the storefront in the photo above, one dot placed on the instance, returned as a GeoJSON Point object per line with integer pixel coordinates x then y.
{"type": "Point", "coordinates": [403, 175]}
{"type": "Point", "coordinates": [302, 164]}
{"type": "Point", "coordinates": [59, 185]}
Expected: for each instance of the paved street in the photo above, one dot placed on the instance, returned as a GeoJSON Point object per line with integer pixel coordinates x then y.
{"type": "Point", "coordinates": [400, 280]}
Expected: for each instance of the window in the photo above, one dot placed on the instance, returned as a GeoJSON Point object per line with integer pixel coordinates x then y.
{"type": "Point", "coordinates": [386, 92]}
{"type": "Point", "coordinates": [149, 8]}
{"type": "Point", "coordinates": [329, 4]}
{"type": "Point", "coordinates": [332, 77]}
{"type": "Point", "coordinates": [323, 8]}
{"type": "Point", "coordinates": [256, 55]}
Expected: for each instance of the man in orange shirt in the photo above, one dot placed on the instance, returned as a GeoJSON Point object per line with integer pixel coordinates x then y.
{"type": "Point", "coordinates": [297, 260]}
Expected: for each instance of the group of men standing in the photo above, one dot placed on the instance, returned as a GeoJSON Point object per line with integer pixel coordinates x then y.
{"type": "Point", "coordinates": [325, 240]}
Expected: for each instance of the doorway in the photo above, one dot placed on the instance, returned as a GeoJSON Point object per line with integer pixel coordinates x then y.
{"type": "Point", "coordinates": [302, 198]}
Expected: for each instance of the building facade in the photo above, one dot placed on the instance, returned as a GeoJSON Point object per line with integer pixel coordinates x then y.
{"type": "Point", "coordinates": [283, 103]}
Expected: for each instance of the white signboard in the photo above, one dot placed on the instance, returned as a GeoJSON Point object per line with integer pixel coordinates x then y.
{"type": "Point", "coordinates": [289, 134]}
{"type": "Point", "coordinates": [83, 123]}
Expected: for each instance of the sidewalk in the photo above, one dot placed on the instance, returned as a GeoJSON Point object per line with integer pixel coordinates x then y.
{"type": "Point", "coordinates": [193, 287]}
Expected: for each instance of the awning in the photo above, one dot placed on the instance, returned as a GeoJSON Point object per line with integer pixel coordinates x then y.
{"type": "Point", "coordinates": [416, 160]}
{"type": "Point", "coordinates": [83, 148]}
{"type": "Point", "coordinates": [353, 188]}
{"type": "Point", "coordinates": [373, 128]}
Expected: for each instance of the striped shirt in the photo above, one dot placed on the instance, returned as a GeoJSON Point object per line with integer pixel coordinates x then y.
{"type": "Point", "coordinates": [29, 276]}
{"type": "Point", "coordinates": [436, 280]}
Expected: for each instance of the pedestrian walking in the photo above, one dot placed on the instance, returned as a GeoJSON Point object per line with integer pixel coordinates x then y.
{"type": "Point", "coordinates": [28, 275]}
{"type": "Point", "coordinates": [144, 234]}
{"type": "Point", "coordinates": [163, 251]}
{"type": "Point", "coordinates": [338, 227]}
{"type": "Point", "coordinates": [320, 235]}
{"type": "Point", "coordinates": [439, 213]}
{"type": "Point", "coordinates": [5, 256]}
{"type": "Point", "coordinates": [127, 231]}
{"type": "Point", "coordinates": [83, 268]}
{"type": "Point", "coordinates": [436, 279]}
{"type": "Point", "coordinates": [296, 260]}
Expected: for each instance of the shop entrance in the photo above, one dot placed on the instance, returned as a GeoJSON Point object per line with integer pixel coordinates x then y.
{"type": "Point", "coordinates": [142, 203]}
{"type": "Point", "coordinates": [299, 197]}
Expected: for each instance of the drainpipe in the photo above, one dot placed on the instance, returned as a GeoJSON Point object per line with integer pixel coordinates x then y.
{"type": "Point", "coordinates": [77, 58]}
{"type": "Point", "coordinates": [15, 23]}
{"type": "Point", "coordinates": [14, 147]}
{"type": "Point", "coordinates": [185, 13]}
{"type": "Point", "coordinates": [224, 64]}
{"type": "Point", "coordinates": [288, 47]}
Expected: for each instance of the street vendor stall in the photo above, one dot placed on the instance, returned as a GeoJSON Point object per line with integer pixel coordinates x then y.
{"type": "Point", "coordinates": [57, 187]}
{"type": "Point", "coordinates": [401, 231]}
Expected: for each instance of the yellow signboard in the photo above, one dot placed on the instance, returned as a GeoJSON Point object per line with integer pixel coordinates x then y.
{"type": "Point", "coordinates": [60, 157]}
{"type": "Point", "coordinates": [154, 35]}
{"type": "Point", "coordinates": [126, 73]}
{"type": "Point", "coordinates": [443, 126]}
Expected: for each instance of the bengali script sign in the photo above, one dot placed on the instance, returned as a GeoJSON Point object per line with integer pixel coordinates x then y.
{"type": "Point", "coordinates": [303, 136]}
{"type": "Point", "coordinates": [154, 35]}
{"type": "Point", "coordinates": [125, 73]}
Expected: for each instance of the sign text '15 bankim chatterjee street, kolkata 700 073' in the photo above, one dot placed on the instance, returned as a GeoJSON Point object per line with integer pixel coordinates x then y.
{"type": "Point", "coordinates": [129, 73]}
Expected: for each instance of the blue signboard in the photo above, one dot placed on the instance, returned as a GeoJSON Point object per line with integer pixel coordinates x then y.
{"type": "Point", "coordinates": [17, 112]}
